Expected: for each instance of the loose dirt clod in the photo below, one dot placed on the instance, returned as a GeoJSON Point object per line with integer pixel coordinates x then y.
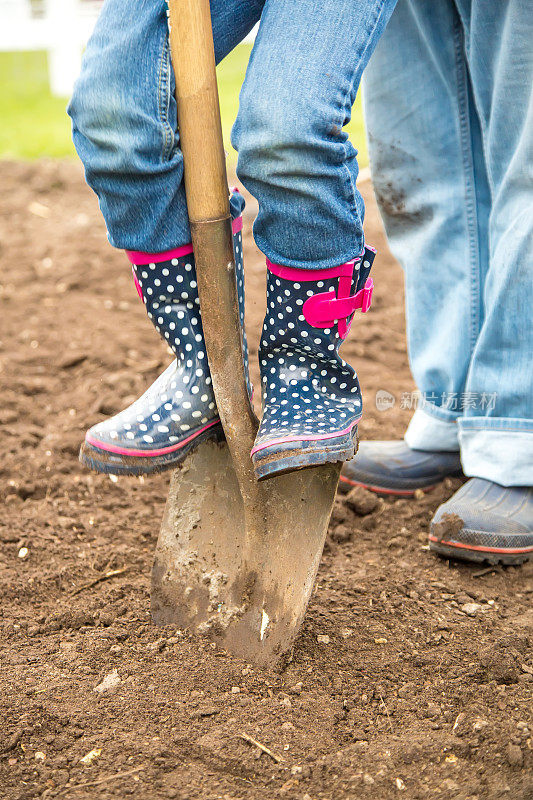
{"type": "Point", "coordinates": [89, 757]}
{"type": "Point", "coordinates": [362, 501]}
{"type": "Point", "coordinates": [471, 609]}
{"type": "Point", "coordinates": [448, 527]}
{"type": "Point", "coordinates": [12, 742]}
{"type": "Point", "coordinates": [514, 755]}
{"type": "Point", "coordinates": [109, 684]}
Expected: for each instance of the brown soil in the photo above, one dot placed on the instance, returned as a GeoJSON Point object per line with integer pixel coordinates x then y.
{"type": "Point", "coordinates": [412, 676]}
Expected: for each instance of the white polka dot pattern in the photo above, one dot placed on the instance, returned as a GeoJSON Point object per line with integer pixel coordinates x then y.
{"type": "Point", "coordinates": [308, 390]}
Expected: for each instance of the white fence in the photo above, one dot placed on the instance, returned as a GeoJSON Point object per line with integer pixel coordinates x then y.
{"type": "Point", "coordinates": [61, 27]}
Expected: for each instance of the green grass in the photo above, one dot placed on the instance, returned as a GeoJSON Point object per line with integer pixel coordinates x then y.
{"type": "Point", "coordinates": [34, 123]}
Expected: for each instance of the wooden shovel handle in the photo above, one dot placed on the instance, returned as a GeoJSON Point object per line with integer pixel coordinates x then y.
{"type": "Point", "coordinates": [200, 129]}
{"type": "Point", "coordinates": [206, 187]}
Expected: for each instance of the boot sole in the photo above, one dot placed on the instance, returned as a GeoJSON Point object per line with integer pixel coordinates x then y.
{"type": "Point", "coordinates": [108, 463]}
{"type": "Point", "coordinates": [281, 459]}
{"type": "Point", "coordinates": [410, 486]}
{"type": "Point", "coordinates": [481, 547]}
{"type": "Point", "coordinates": [345, 485]}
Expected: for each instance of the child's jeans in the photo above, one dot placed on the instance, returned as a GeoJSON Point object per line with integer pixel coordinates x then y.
{"type": "Point", "coordinates": [294, 155]}
{"type": "Point", "coordinates": [449, 112]}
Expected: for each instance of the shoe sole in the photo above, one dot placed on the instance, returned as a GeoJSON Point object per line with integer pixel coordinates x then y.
{"type": "Point", "coordinates": [346, 484]}
{"type": "Point", "coordinates": [304, 454]}
{"type": "Point", "coordinates": [478, 550]}
{"type": "Point", "coordinates": [103, 461]}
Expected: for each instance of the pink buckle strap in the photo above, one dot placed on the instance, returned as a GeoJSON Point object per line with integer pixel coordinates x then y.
{"type": "Point", "coordinates": [323, 310]}
{"type": "Point", "coordinates": [366, 295]}
{"type": "Point", "coordinates": [327, 308]}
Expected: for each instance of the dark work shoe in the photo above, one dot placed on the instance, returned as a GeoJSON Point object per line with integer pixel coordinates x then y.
{"type": "Point", "coordinates": [485, 522]}
{"type": "Point", "coordinates": [394, 468]}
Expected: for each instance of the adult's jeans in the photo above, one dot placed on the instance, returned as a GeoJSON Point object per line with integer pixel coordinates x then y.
{"type": "Point", "coordinates": [449, 112]}
{"type": "Point", "coordinates": [294, 156]}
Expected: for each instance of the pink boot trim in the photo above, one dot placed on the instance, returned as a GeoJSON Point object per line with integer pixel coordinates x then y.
{"type": "Point", "coordinates": [305, 438]}
{"type": "Point", "coordinates": [301, 275]}
{"type": "Point", "coordinates": [124, 451]}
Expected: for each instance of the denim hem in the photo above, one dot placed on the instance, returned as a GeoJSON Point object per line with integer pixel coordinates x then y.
{"type": "Point", "coordinates": [237, 204]}
{"type": "Point", "coordinates": [430, 433]}
{"type": "Point", "coordinates": [501, 455]}
{"type": "Point", "coordinates": [295, 264]}
{"type": "Point", "coordinates": [515, 425]}
{"type": "Point", "coordinates": [443, 414]}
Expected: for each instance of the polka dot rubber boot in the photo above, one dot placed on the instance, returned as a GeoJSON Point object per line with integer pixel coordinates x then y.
{"type": "Point", "coordinates": [178, 411]}
{"type": "Point", "coordinates": [311, 396]}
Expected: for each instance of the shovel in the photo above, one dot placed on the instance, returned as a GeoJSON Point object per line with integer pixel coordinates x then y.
{"type": "Point", "coordinates": [236, 559]}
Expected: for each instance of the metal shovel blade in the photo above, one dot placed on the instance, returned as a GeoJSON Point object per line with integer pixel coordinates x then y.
{"type": "Point", "coordinates": [200, 578]}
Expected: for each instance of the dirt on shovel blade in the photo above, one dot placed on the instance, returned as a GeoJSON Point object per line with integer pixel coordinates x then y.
{"type": "Point", "coordinates": [411, 678]}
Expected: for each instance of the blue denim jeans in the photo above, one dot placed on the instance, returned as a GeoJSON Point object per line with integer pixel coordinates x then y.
{"type": "Point", "coordinates": [294, 156]}
{"type": "Point", "coordinates": [449, 112]}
